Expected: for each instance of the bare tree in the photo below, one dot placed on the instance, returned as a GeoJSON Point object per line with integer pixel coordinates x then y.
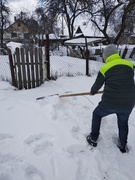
{"type": "Point", "coordinates": [30, 21]}
{"type": "Point", "coordinates": [69, 9]}
{"type": "Point", "coordinates": [4, 18]}
{"type": "Point", "coordinates": [113, 16]}
{"type": "Point", "coordinates": [127, 20]}
{"type": "Point", "coordinates": [45, 21]}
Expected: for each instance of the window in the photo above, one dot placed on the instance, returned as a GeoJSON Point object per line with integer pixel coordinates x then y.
{"type": "Point", "coordinates": [26, 36]}
{"type": "Point", "coordinates": [13, 35]}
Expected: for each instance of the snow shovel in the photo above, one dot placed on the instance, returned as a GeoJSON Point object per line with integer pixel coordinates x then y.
{"type": "Point", "coordinates": [50, 95]}
{"type": "Point", "coordinates": [79, 94]}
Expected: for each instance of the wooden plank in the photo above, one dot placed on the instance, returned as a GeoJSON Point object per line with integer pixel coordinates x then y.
{"type": "Point", "coordinates": [36, 67]}
{"type": "Point", "coordinates": [124, 52]}
{"type": "Point", "coordinates": [15, 67]}
{"type": "Point", "coordinates": [87, 57]}
{"type": "Point", "coordinates": [14, 83]}
{"type": "Point", "coordinates": [132, 53]}
{"type": "Point", "coordinates": [28, 68]}
{"type": "Point", "coordinates": [23, 68]}
{"type": "Point", "coordinates": [41, 65]}
{"type": "Point", "coordinates": [32, 68]}
{"type": "Point", "coordinates": [19, 69]}
{"type": "Point", "coordinates": [47, 52]}
{"type": "Point", "coordinates": [27, 63]}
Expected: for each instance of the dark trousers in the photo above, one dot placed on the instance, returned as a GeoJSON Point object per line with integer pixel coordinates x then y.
{"type": "Point", "coordinates": [122, 119]}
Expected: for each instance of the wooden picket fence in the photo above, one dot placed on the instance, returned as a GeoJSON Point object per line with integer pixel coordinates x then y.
{"type": "Point", "coordinates": [27, 68]}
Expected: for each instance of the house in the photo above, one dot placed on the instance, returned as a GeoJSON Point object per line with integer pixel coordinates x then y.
{"type": "Point", "coordinates": [18, 31]}
{"type": "Point", "coordinates": [83, 37]}
{"type": "Point", "coordinates": [82, 41]}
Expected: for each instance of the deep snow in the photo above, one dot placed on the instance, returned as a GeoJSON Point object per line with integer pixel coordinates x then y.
{"type": "Point", "coordinates": [45, 139]}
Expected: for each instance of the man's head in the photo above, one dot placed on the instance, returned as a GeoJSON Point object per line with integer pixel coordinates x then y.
{"type": "Point", "coordinates": [109, 50]}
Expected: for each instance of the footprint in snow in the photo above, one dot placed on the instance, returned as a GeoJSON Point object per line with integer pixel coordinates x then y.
{"type": "Point", "coordinates": [33, 174]}
{"type": "Point", "coordinates": [5, 177]}
{"type": "Point", "coordinates": [40, 143]}
{"type": "Point", "coordinates": [9, 164]}
{"type": "Point", "coordinates": [5, 137]}
{"type": "Point", "coordinates": [9, 160]}
{"type": "Point", "coordinates": [75, 149]}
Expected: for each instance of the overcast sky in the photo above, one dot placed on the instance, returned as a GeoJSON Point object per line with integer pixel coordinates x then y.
{"type": "Point", "coordinates": [21, 5]}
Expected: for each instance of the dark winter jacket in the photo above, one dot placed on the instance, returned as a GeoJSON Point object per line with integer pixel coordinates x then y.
{"type": "Point", "coordinates": [117, 75]}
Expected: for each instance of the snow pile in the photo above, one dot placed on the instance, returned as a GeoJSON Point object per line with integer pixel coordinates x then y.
{"type": "Point", "coordinates": [13, 45]}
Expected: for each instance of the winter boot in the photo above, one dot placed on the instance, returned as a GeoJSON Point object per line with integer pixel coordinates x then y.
{"type": "Point", "coordinates": [91, 141]}
{"type": "Point", "coordinates": [122, 148]}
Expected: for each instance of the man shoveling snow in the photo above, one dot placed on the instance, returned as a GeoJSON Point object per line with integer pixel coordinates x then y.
{"type": "Point", "coordinates": [117, 76]}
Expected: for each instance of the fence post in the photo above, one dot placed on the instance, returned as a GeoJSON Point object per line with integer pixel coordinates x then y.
{"type": "Point", "coordinates": [124, 52]}
{"type": "Point", "coordinates": [12, 68]}
{"type": "Point", "coordinates": [32, 67]}
{"type": "Point", "coordinates": [132, 53]}
{"type": "Point", "coordinates": [87, 58]}
{"type": "Point", "coordinates": [23, 67]}
{"type": "Point", "coordinates": [18, 59]}
{"type": "Point", "coordinates": [47, 56]}
{"type": "Point", "coordinates": [36, 66]}
{"type": "Point", "coordinates": [44, 66]}
{"type": "Point", "coordinates": [28, 68]}
{"type": "Point", "coordinates": [40, 55]}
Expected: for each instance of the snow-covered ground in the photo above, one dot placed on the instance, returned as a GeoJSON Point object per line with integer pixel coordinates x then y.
{"type": "Point", "coordinates": [46, 139]}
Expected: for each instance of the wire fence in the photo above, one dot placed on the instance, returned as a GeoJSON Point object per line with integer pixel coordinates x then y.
{"type": "Point", "coordinates": [66, 61]}
{"type": "Point", "coordinates": [61, 64]}
{"type": "Point", "coordinates": [5, 73]}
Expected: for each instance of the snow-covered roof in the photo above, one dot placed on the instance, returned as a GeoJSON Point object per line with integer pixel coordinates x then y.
{"type": "Point", "coordinates": [82, 41]}
{"type": "Point", "coordinates": [87, 30]}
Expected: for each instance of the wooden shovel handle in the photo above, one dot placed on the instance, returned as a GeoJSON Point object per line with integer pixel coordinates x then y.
{"type": "Point", "coordinates": [79, 94]}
